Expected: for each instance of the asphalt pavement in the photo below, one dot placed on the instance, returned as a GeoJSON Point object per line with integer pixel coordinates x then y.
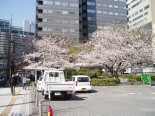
{"type": "Point", "coordinates": [104, 101]}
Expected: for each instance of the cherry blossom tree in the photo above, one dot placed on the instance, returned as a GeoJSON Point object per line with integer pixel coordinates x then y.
{"type": "Point", "coordinates": [116, 48]}
{"type": "Point", "coordinates": [48, 52]}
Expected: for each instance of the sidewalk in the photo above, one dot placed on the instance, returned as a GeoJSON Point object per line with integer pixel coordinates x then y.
{"type": "Point", "coordinates": [18, 105]}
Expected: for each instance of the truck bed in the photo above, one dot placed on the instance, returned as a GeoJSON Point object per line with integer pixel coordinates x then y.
{"type": "Point", "coordinates": [65, 86]}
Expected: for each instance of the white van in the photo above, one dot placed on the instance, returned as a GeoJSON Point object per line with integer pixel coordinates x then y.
{"type": "Point", "coordinates": [81, 83]}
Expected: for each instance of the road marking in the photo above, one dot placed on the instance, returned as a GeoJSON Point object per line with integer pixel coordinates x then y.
{"type": "Point", "coordinates": [9, 107]}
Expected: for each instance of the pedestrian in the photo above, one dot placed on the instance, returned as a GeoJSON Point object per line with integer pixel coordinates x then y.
{"type": "Point", "coordinates": [13, 83]}
{"type": "Point", "coordinates": [24, 82]}
{"type": "Point", "coordinates": [32, 79]}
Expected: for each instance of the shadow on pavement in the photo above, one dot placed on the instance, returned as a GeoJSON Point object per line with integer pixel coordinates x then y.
{"type": "Point", "coordinates": [92, 91]}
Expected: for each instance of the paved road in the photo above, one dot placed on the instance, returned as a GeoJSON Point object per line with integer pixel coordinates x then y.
{"type": "Point", "coordinates": [107, 101]}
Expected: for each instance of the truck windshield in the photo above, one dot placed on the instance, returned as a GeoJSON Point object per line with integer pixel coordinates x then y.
{"type": "Point", "coordinates": [53, 74]}
{"type": "Point", "coordinates": [83, 79]}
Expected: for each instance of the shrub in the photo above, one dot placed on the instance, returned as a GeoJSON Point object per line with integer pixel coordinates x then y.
{"type": "Point", "coordinates": [131, 77]}
{"type": "Point", "coordinates": [66, 80]}
{"type": "Point", "coordinates": [71, 72]}
{"type": "Point", "coordinates": [153, 78]}
{"type": "Point", "coordinates": [105, 82]}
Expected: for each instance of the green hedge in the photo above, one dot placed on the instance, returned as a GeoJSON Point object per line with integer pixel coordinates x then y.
{"type": "Point", "coordinates": [105, 82]}
{"type": "Point", "coordinates": [131, 77]}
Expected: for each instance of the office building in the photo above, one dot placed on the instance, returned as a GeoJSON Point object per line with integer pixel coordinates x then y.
{"type": "Point", "coordinates": [141, 13]}
{"type": "Point", "coordinates": [12, 34]}
{"type": "Point", "coordinates": [78, 19]}
{"type": "Point", "coordinates": [29, 26]}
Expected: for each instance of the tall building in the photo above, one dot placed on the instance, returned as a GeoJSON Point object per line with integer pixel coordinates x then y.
{"type": "Point", "coordinates": [13, 36]}
{"type": "Point", "coordinates": [29, 26]}
{"type": "Point", "coordinates": [141, 13]}
{"type": "Point", "coordinates": [78, 19]}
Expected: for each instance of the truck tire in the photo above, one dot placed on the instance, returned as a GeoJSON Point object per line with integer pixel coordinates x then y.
{"type": "Point", "coordinates": [67, 96]}
{"type": "Point", "coordinates": [46, 96]}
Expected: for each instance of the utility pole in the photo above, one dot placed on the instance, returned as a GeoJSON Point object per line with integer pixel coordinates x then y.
{"type": "Point", "coordinates": [9, 51]}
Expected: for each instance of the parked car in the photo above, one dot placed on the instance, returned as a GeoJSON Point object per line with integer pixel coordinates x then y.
{"type": "Point", "coordinates": [82, 83]}
{"type": "Point", "coordinates": [39, 84]}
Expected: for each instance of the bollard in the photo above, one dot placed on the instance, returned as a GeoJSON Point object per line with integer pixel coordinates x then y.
{"type": "Point", "coordinates": [37, 96]}
{"type": "Point", "coordinates": [40, 108]}
{"type": "Point", "coordinates": [50, 112]}
{"type": "Point", "coordinates": [35, 92]}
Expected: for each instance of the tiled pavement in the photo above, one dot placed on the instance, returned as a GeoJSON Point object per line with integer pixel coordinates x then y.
{"type": "Point", "coordinates": [18, 105]}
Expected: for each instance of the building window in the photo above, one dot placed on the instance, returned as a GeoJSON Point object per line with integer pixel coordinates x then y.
{"type": "Point", "coordinates": [44, 10]}
{"type": "Point", "coordinates": [116, 13]}
{"type": "Point", "coordinates": [72, 30]}
{"type": "Point", "coordinates": [91, 11]}
{"type": "Point", "coordinates": [99, 19]}
{"type": "Point", "coordinates": [91, 18]}
{"type": "Point", "coordinates": [50, 29]}
{"type": "Point", "coordinates": [141, 10]}
{"type": "Point", "coordinates": [138, 17]}
{"type": "Point", "coordinates": [50, 11]}
{"type": "Point", "coordinates": [104, 5]}
{"type": "Point", "coordinates": [111, 13]}
{"type": "Point", "coordinates": [74, 22]}
{"type": "Point", "coordinates": [110, 6]}
{"type": "Point", "coordinates": [115, 6]}
{"type": "Point", "coordinates": [48, 2]}
{"type": "Point", "coordinates": [135, 14]}
{"type": "Point", "coordinates": [146, 13]}
{"type": "Point", "coordinates": [105, 12]}
{"type": "Point", "coordinates": [111, 20]}
{"type": "Point", "coordinates": [57, 20]}
{"type": "Point", "coordinates": [98, 4]}
{"type": "Point", "coordinates": [64, 30]}
{"type": "Point", "coordinates": [73, 5]}
{"type": "Point", "coordinates": [105, 19]}
{"type": "Point", "coordinates": [99, 12]}
{"type": "Point", "coordinates": [45, 29]}
{"type": "Point", "coordinates": [65, 21]}
{"type": "Point", "coordinates": [91, 3]}
{"type": "Point", "coordinates": [122, 7]}
{"type": "Point", "coordinates": [57, 3]}
{"type": "Point", "coordinates": [64, 3]}
{"type": "Point", "coordinates": [44, 20]}
{"type": "Point", "coordinates": [57, 11]}
{"type": "Point", "coordinates": [64, 12]}
{"type": "Point", "coordinates": [50, 20]}
{"type": "Point", "coordinates": [122, 0]}
{"type": "Point", "coordinates": [74, 13]}
{"type": "Point", "coordinates": [146, 7]}
{"type": "Point", "coordinates": [123, 14]}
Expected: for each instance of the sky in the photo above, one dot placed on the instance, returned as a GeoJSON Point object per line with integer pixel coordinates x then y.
{"type": "Point", "coordinates": [20, 10]}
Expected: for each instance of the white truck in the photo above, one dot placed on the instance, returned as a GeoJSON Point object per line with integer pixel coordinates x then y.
{"type": "Point", "coordinates": [53, 85]}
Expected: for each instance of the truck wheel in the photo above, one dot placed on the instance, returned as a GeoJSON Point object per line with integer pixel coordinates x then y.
{"type": "Point", "coordinates": [67, 96]}
{"type": "Point", "coordinates": [46, 96]}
